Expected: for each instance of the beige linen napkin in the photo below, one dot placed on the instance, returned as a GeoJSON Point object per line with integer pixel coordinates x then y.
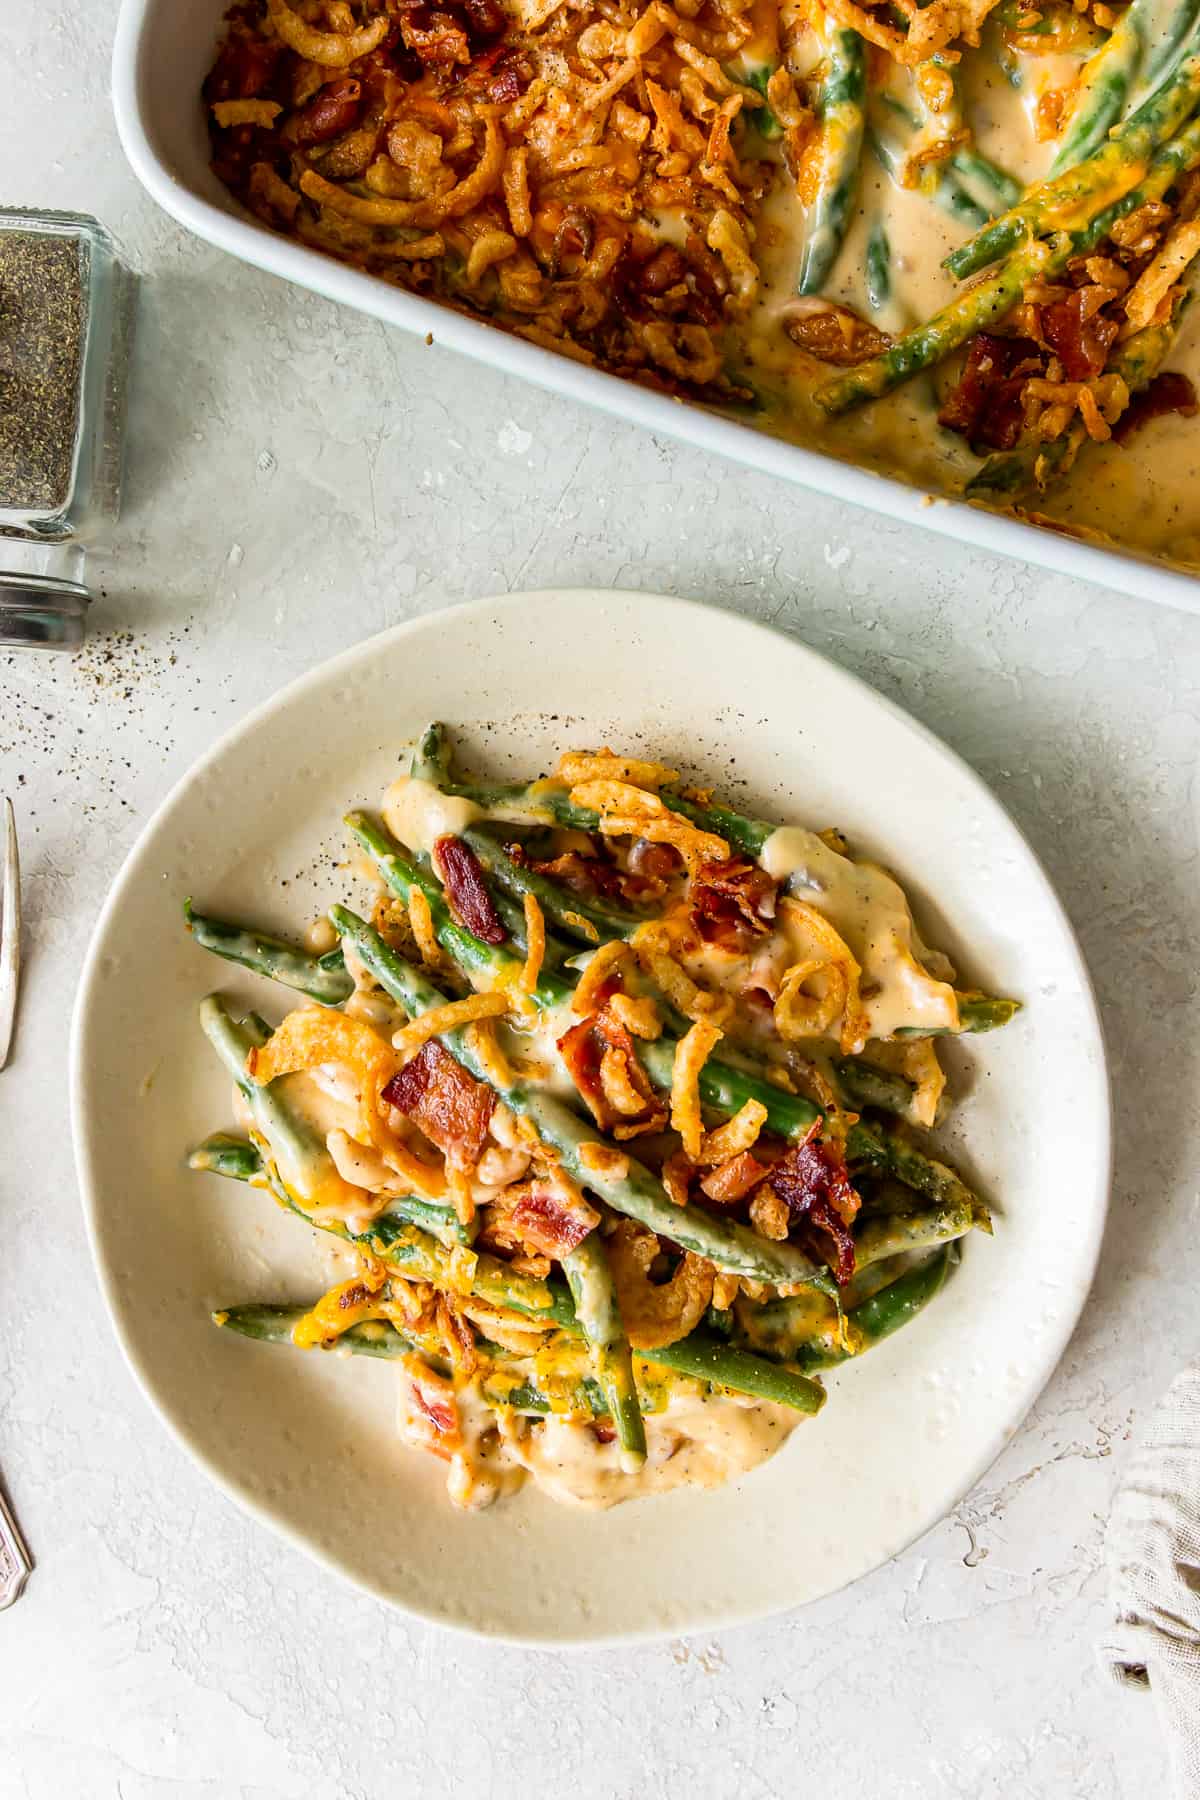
{"type": "Point", "coordinates": [1153, 1555]}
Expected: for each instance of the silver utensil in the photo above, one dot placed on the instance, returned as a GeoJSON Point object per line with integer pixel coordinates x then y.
{"type": "Point", "coordinates": [15, 1560]}
{"type": "Point", "coordinates": [10, 932]}
{"type": "Point", "coordinates": [15, 1563]}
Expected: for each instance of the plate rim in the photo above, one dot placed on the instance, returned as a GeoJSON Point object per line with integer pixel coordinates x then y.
{"type": "Point", "coordinates": [86, 997]}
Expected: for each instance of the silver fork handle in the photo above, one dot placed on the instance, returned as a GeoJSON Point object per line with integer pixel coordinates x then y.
{"type": "Point", "coordinates": [15, 1561]}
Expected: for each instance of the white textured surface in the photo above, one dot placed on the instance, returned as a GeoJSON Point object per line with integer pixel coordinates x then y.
{"type": "Point", "coordinates": [299, 479]}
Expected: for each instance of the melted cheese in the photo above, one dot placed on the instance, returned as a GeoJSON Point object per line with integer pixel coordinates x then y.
{"type": "Point", "coordinates": [419, 814]}
{"type": "Point", "coordinates": [699, 1440]}
{"type": "Point", "coordinates": [871, 913]}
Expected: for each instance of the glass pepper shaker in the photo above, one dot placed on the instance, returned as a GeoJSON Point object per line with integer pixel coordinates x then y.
{"type": "Point", "coordinates": [65, 316]}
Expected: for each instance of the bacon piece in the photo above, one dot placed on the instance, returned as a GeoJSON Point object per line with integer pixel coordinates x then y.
{"type": "Point", "coordinates": [732, 1180]}
{"type": "Point", "coordinates": [732, 902]}
{"type": "Point", "coordinates": [985, 407]}
{"type": "Point", "coordinates": [243, 70]}
{"type": "Point", "coordinates": [466, 890]}
{"type": "Point", "coordinates": [550, 1220]}
{"type": "Point", "coordinates": [436, 37]}
{"type": "Point", "coordinates": [448, 1105]}
{"type": "Point", "coordinates": [1167, 393]}
{"type": "Point", "coordinates": [813, 1184]}
{"type": "Point", "coordinates": [583, 1049]}
{"type": "Point", "coordinates": [540, 1217]}
{"type": "Point", "coordinates": [429, 1410]}
{"type": "Point", "coordinates": [585, 875]}
{"type": "Point", "coordinates": [332, 111]}
{"type": "Point", "coordinates": [1081, 340]}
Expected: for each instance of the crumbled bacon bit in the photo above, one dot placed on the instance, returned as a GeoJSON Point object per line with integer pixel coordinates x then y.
{"type": "Point", "coordinates": [435, 1399]}
{"type": "Point", "coordinates": [445, 1102]}
{"type": "Point", "coordinates": [1167, 393]}
{"type": "Point", "coordinates": [583, 1050]}
{"type": "Point", "coordinates": [813, 1183]}
{"type": "Point", "coordinates": [985, 405]}
{"type": "Point", "coordinates": [551, 1221]}
{"type": "Point", "coordinates": [466, 889]}
{"type": "Point", "coordinates": [243, 70]}
{"type": "Point", "coordinates": [1079, 335]}
{"type": "Point", "coordinates": [733, 1180]}
{"type": "Point", "coordinates": [732, 902]}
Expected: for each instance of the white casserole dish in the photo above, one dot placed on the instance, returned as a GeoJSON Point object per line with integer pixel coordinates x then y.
{"type": "Point", "coordinates": [163, 51]}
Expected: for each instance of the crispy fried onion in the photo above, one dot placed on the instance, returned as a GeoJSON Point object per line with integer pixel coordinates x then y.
{"type": "Point", "coordinates": [812, 1182]}
{"type": "Point", "coordinates": [449, 1017]}
{"type": "Point", "coordinates": [651, 944]}
{"type": "Point", "coordinates": [929, 28]}
{"type": "Point", "coordinates": [228, 113]}
{"type": "Point", "coordinates": [309, 1040]}
{"type": "Point", "coordinates": [656, 1313]}
{"type": "Point", "coordinates": [599, 977]}
{"type": "Point", "coordinates": [577, 766]}
{"type": "Point", "coordinates": [535, 940]}
{"type": "Point", "coordinates": [459, 199]}
{"type": "Point", "coordinates": [733, 1137]}
{"type": "Point", "coordinates": [602, 1062]}
{"type": "Point", "coordinates": [822, 987]}
{"type": "Point", "coordinates": [1156, 280]}
{"type": "Point", "coordinates": [629, 811]}
{"type": "Point", "coordinates": [445, 1102]}
{"type": "Point", "coordinates": [691, 1053]}
{"type": "Point", "coordinates": [832, 333]}
{"type": "Point", "coordinates": [332, 49]}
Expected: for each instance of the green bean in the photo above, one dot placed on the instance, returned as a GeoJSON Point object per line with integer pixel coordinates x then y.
{"type": "Point", "coordinates": [840, 121]}
{"type": "Point", "coordinates": [590, 1280]}
{"type": "Point", "coordinates": [981, 307]}
{"type": "Point", "coordinates": [863, 1084]}
{"type": "Point", "coordinates": [304, 1163]}
{"type": "Point", "coordinates": [700, 1356]}
{"type": "Point", "coordinates": [1036, 463]}
{"type": "Point", "coordinates": [1108, 173]}
{"type": "Point", "coordinates": [887, 1311]}
{"type": "Point", "coordinates": [878, 267]}
{"type": "Point", "coordinates": [235, 1158]}
{"type": "Point", "coordinates": [637, 1194]}
{"type": "Point", "coordinates": [301, 1158]}
{"type": "Point", "coordinates": [950, 182]}
{"type": "Point", "coordinates": [380, 1338]}
{"type": "Point", "coordinates": [757, 75]}
{"type": "Point", "coordinates": [891, 1235]}
{"type": "Point", "coordinates": [1104, 88]}
{"type": "Point", "coordinates": [322, 978]}
{"type": "Point", "coordinates": [563, 906]}
{"type": "Point", "coordinates": [723, 1086]}
{"type": "Point", "coordinates": [1163, 52]}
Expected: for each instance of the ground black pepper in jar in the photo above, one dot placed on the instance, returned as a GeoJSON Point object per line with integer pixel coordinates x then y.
{"type": "Point", "coordinates": [65, 308]}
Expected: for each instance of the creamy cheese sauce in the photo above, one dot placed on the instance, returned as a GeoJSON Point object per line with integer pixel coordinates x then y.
{"type": "Point", "coordinates": [1146, 497]}
{"type": "Point", "coordinates": [698, 1440]}
{"type": "Point", "coordinates": [871, 913]}
{"type": "Point", "coordinates": [419, 814]}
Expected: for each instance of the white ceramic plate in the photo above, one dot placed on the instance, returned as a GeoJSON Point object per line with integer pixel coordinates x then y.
{"type": "Point", "coordinates": [162, 52]}
{"type": "Point", "coordinates": [306, 1442]}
